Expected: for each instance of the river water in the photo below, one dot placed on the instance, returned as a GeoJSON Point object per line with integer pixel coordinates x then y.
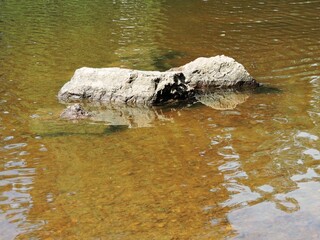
{"type": "Point", "coordinates": [244, 167]}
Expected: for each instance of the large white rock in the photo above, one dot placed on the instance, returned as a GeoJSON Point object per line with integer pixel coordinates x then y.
{"type": "Point", "coordinates": [125, 86]}
{"type": "Point", "coordinates": [216, 72]}
{"type": "Point", "coordinates": [134, 87]}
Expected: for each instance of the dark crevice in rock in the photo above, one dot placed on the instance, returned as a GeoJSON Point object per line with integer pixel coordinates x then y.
{"type": "Point", "coordinates": [178, 91]}
{"type": "Point", "coordinates": [132, 78]}
{"type": "Point", "coordinates": [156, 83]}
{"type": "Point", "coordinates": [102, 94]}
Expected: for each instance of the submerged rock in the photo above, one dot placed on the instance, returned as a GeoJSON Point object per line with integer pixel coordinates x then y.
{"type": "Point", "coordinates": [133, 87]}
{"type": "Point", "coordinates": [75, 111]}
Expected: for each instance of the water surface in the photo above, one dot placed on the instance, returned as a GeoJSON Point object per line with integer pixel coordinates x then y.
{"type": "Point", "coordinates": [245, 167]}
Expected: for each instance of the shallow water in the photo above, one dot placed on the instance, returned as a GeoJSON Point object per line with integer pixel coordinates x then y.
{"type": "Point", "coordinates": [245, 167]}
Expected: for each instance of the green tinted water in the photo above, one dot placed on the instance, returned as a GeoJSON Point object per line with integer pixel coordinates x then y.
{"type": "Point", "coordinates": [245, 168]}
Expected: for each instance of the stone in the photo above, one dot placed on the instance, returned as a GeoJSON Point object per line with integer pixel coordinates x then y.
{"type": "Point", "coordinates": [216, 72]}
{"type": "Point", "coordinates": [134, 87]}
{"type": "Point", "coordinates": [74, 112]}
{"type": "Point", "coordinates": [125, 86]}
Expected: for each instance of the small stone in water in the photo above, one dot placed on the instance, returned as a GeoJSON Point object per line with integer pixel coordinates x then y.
{"type": "Point", "coordinates": [8, 138]}
{"type": "Point", "coordinates": [202, 153]}
{"type": "Point", "coordinates": [43, 149]}
{"type": "Point", "coordinates": [75, 111]}
{"type": "Point", "coordinates": [34, 116]}
{"type": "Point", "coordinates": [23, 153]}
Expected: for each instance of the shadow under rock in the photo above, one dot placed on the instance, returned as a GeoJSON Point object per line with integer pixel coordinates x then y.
{"type": "Point", "coordinates": [265, 89]}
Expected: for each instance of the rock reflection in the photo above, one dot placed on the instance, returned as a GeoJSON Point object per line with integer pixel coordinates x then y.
{"type": "Point", "coordinates": [223, 100]}
{"type": "Point", "coordinates": [143, 116]}
{"type": "Point", "coordinates": [133, 117]}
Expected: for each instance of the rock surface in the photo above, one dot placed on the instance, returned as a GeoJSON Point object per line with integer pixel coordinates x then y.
{"type": "Point", "coordinates": [126, 86]}
{"type": "Point", "coordinates": [216, 72]}
{"type": "Point", "coordinates": [75, 111]}
{"type": "Point", "coordinates": [133, 87]}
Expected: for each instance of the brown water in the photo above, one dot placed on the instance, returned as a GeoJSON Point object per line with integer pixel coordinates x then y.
{"type": "Point", "coordinates": [247, 167]}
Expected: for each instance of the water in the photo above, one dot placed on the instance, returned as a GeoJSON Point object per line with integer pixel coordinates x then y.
{"type": "Point", "coordinates": [244, 168]}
